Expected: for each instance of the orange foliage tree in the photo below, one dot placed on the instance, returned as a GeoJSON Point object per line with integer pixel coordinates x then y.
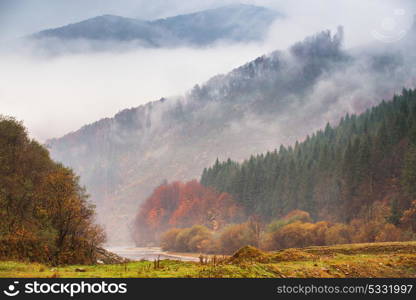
{"type": "Point", "coordinates": [179, 205]}
{"type": "Point", "coordinates": [45, 213]}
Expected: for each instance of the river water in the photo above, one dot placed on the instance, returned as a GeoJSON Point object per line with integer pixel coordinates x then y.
{"type": "Point", "coordinates": [147, 253]}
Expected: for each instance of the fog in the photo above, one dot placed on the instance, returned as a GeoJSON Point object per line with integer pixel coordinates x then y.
{"type": "Point", "coordinates": [58, 94]}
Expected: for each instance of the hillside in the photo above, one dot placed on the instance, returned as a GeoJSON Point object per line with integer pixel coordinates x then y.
{"type": "Point", "coordinates": [335, 174]}
{"type": "Point", "coordinates": [45, 214]}
{"type": "Point", "coordinates": [275, 99]}
{"type": "Point", "coordinates": [233, 23]}
{"type": "Point", "coordinates": [382, 260]}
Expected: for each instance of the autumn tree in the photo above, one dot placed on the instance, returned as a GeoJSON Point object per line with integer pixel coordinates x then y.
{"type": "Point", "coordinates": [179, 205]}
{"type": "Point", "coordinates": [45, 213]}
{"type": "Point", "coordinates": [408, 219]}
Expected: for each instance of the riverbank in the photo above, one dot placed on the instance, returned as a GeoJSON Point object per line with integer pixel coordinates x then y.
{"type": "Point", "coordinates": [154, 253]}
{"type": "Point", "coordinates": [195, 255]}
{"type": "Point", "coordinates": [396, 259]}
{"type": "Point", "coordinates": [151, 254]}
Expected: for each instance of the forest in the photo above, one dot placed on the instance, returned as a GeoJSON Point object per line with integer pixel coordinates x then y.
{"type": "Point", "coordinates": [349, 183]}
{"type": "Point", "coordinates": [45, 214]}
{"type": "Point", "coordinates": [337, 173]}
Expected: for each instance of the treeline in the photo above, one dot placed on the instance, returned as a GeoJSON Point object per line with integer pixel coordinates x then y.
{"type": "Point", "coordinates": [45, 214]}
{"type": "Point", "coordinates": [294, 230]}
{"type": "Point", "coordinates": [337, 173]}
{"type": "Point", "coordinates": [180, 204]}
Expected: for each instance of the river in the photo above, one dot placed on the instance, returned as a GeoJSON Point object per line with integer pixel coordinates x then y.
{"type": "Point", "coordinates": [147, 253]}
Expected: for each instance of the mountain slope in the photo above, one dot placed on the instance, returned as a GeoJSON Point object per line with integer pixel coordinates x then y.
{"type": "Point", "coordinates": [230, 23]}
{"type": "Point", "coordinates": [336, 174]}
{"type": "Point", "coordinates": [106, 27]}
{"type": "Point", "coordinates": [275, 99]}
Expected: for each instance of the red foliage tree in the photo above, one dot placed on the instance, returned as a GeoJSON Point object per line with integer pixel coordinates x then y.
{"type": "Point", "coordinates": [179, 205]}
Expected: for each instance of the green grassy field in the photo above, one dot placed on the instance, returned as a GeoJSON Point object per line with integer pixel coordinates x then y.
{"type": "Point", "coordinates": [355, 260]}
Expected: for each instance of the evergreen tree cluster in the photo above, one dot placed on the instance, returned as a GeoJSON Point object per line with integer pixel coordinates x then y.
{"type": "Point", "coordinates": [335, 174]}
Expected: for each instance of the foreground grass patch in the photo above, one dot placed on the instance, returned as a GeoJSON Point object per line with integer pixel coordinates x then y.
{"type": "Point", "coordinates": [356, 260]}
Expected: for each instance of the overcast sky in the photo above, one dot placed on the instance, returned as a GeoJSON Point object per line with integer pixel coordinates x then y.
{"type": "Point", "coordinates": [59, 95]}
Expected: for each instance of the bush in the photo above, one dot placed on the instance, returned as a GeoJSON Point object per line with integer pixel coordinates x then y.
{"type": "Point", "coordinates": [235, 237]}
{"type": "Point", "coordinates": [291, 217]}
{"type": "Point", "coordinates": [298, 215]}
{"type": "Point", "coordinates": [298, 234]}
{"type": "Point", "coordinates": [195, 239]}
{"type": "Point", "coordinates": [182, 239]}
{"type": "Point", "coordinates": [283, 233]}
{"type": "Point", "coordinates": [390, 233]}
{"type": "Point", "coordinates": [168, 239]}
{"type": "Point", "coordinates": [200, 239]}
{"type": "Point", "coordinates": [364, 232]}
{"type": "Point", "coordinates": [338, 234]}
{"type": "Point", "coordinates": [293, 235]}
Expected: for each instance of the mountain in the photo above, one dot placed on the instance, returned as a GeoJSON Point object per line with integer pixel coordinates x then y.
{"type": "Point", "coordinates": [275, 99]}
{"type": "Point", "coordinates": [237, 23]}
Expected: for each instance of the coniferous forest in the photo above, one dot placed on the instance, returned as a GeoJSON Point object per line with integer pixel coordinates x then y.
{"type": "Point", "coordinates": [337, 173]}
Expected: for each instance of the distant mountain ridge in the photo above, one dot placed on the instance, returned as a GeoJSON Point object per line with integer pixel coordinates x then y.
{"type": "Point", "coordinates": [236, 23]}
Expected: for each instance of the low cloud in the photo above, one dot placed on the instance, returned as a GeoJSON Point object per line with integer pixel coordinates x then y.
{"type": "Point", "coordinates": [58, 95]}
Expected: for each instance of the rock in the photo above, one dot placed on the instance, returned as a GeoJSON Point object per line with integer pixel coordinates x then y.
{"type": "Point", "coordinates": [107, 257]}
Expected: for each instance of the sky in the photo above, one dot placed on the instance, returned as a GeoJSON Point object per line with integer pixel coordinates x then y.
{"type": "Point", "coordinates": [54, 96]}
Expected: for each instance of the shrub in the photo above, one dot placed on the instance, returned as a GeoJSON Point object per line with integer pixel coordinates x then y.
{"type": "Point", "coordinates": [235, 237]}
{"type": "Point", "coordinates": [200, 239]}
{"type": "Point", "coordinates": [293, 235]}
{"type": "Point", "coordinates": [390, 233]}
{"type": "Point", "coordinates": [168, 239]}
{"type": "Point", "coordinates": [298, 215]}
{"type": "Point", "coordinates": [195, 239]}
{"type": "Point", "coordinates": [338, 234]}
{"type": "Point", "coordinates": [291, 217]}
{"type": "Point", "coordinates": [182, 239]}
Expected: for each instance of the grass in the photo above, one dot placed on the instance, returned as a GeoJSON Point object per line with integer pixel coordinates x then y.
{"type": "Point", "coordinates": [353, 260]}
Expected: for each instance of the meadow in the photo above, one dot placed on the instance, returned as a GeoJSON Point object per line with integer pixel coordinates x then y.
{"type": "Point", "coordinates": [394, 259]}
